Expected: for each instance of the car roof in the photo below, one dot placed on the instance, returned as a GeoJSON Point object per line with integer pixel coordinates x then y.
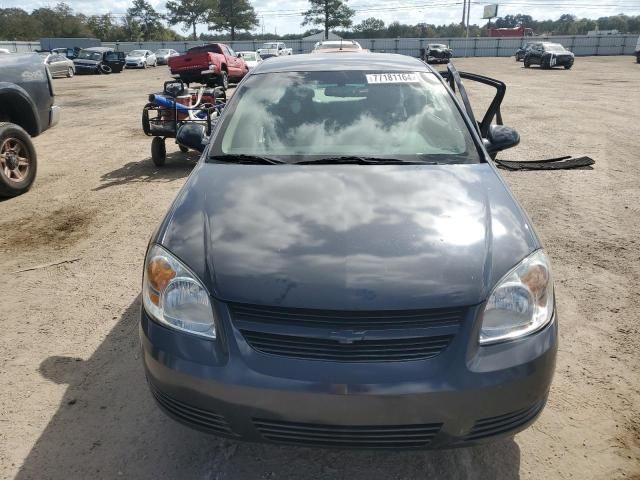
{"type": "Point", "coordinates": [99, 49]}
{"type": "Point", "coordinates": [319, 62]}
{"type": "Point", "coordinates": [338, 42]}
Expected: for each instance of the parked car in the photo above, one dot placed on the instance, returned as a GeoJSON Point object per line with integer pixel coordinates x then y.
{"type": "Point", "coordinates": [274, 49]}
{"type": "Point", "coordinates": [345, 266]}
{"type": "Point", "coordinates": [436, 53]}
{"type": "Point", "coordinates": [141, 59]}
{"type": "Point", "coordinates": [70, 53]}
{"type": "Point", "coordinates": [637, 51]}
{"type": "Point", "coordinates": [522, 51]}
{"type": "Point", "coordinates": [251, 58]}
{"type": "Point", "coordinates": [212, 64]}
{"type": "Point", "coordinates": [327, 46]}
{"type": "Point", "coordinates": [164, 54]}
{"type": "Point", "coordinates": [27, 109]}
{"type": "Point", "coordinates": [99, 60]}
{"type": "Point", "coordinates": [549, 55]}
{"type": "Point", "coordinates": [58, 65]}
{"type": "Point", "coordinates": [4, 51]}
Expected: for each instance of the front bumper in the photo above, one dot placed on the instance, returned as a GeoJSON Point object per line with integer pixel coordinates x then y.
{"type": "Point", "coordinates": [54, 115]}
{"type": "Point", "coordinates": [466, 395]}
{"type": "Point", "coordinates": [86, 68]}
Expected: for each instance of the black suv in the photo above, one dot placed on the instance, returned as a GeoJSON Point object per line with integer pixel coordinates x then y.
{"type": "Point", "coordinates": [549, 55]}
{"type": "Point", "coordinates": [26, 110]}
{"type": "Point", "coordinates": [99, 60]}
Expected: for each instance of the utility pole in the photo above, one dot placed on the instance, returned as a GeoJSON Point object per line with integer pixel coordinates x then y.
{"type": "Point", "coordinates": [466, 42]}
{"type": "Point", "coordinates": [464, 11]}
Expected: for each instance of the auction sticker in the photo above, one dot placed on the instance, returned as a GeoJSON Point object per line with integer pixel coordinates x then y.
{"type": "Point", "coordinates": [392, 78]}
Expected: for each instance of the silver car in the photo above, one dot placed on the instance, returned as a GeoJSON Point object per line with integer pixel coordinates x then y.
{"type": "Point", "coordinates": [251, 58]}
{"type": "Point", "coordinates": [141, 59]}
{"type": "Point", "coordinates": [58, 64]}
{"type": "Point", "coordinates": [164, 54]}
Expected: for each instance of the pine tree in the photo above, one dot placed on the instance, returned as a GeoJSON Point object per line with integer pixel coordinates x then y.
{"type": "Point", "coordinates": [329, 13]}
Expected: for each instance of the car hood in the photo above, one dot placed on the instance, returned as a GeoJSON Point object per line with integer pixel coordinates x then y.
{"type": "Point", "coordinates": [348, 236]}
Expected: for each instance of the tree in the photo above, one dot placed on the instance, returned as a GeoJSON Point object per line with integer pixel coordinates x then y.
{"type": "Point", "coordinates": [189, 12]}
{"type": "Point", "coordinates": [369, 27]}
{"type": "Point", "coordinates": [143, 13]}
{"type": "Point", "coordinates": [101, 26]}
{"type": "Point", "coordinates": [232, 15]}
{"type": "Point", "coordinates": [328, 13]}
{"type": "Point", "coordinates": [16, 24]}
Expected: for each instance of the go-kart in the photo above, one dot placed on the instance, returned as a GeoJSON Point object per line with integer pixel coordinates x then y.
{"type": "Point", "coordinates": [175, 107]}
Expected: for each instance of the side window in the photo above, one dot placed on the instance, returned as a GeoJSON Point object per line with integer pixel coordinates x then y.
{"type": "Point", "coordinates": [231, 52]}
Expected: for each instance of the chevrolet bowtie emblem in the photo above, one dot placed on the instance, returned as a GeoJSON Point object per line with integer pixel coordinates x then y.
{"type": "Point", "coordinates": [347, 337]}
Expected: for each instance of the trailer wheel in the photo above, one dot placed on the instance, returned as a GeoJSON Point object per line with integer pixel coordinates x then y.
{"type": "Point", "coordinates": [18, 160]}
{"type": "Point", "coordinates": [158, 151]}
{"type": "Point", "coordinates": [146, 125]}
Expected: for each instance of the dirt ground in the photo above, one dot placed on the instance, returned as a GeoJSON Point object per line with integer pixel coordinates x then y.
{"type": "Point", "coordinates": [74, 403]}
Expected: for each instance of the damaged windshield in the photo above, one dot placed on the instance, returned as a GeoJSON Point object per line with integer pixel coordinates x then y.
{"type": "Point", "coordinates": [297, 116]}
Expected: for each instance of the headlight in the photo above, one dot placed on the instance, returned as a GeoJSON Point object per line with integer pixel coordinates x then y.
{"type": "Point", "coordinates": [174, 296]}
{"type": "Point", "coordinates": [521, 303]}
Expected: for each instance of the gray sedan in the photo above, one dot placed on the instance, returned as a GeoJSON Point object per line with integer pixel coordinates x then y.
{"type": "Point", "coordinates": [345, 266]}
{"type": "Point", "coordinates": [58, 64]}
{"type": "Point", "coordinates": [164, 54]}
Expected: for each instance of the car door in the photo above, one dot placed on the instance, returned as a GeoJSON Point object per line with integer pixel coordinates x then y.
{"type": "Point", "coordinates": [486, 128]}
{"type": "Point", "coordinates": [233, 62]}
{"type": "Point", "coordinates": [56, 64]}
{"type": "Point", "coordinates": [536, 54]}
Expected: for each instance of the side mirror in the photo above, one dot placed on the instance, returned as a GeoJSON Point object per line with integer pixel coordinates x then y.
{"type": "Point", "coordinates": [501, 138]}
{"type": "Point", "coordinates": [193, 136]}
{"type": "Point", "coordinates": [239, 55]}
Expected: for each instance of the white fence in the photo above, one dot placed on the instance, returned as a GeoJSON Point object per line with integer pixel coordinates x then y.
{"type": "Point", "coordinates": [19, 47]}
{"type": "Point", "coordinates": [581, 45]}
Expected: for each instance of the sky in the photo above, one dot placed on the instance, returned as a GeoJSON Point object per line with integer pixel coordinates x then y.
{"type": "Point", "coordinates": [284, 17]}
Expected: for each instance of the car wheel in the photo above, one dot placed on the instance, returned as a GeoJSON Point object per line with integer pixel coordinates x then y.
{"type": "Point", "coordinates": [70, 72]}
{"type": "Point", "coordinates": [224, 81]}
{"type": "Point", "coordinates": [158, 151]}
{"type": "Point", "coordinates": [527, 63]}
{"type": "Point", "coordinates": [18, 160]}
{"type": "Point", "coordinates": [106, 69]}
{"type": "Point", "coordinates": [568, 67]}
{"type": "Point", "coordinates": [183, 149]}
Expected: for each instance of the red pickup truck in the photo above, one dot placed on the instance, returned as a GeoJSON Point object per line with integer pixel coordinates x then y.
{"type": "Point", "coordinates": [212, 64]}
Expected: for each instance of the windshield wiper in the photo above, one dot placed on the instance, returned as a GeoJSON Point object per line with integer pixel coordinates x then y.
{"type": "Point", "coordinates": [362, 161]}
{"type": "Point", "coordinates": [247, 159]}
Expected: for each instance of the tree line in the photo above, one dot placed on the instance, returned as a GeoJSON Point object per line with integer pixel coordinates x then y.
{"type": "Point", "coordinates": [235, 20]}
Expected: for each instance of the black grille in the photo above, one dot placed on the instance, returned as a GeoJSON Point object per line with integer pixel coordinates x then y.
{"type": "Point", "coordinates": [201, 419]}
{"type": "Point", "coordinates": [355, 436]}
{"type": "Point", "coordinates": [488, 427]}
{"type": "Point", "coordinates": [357, 351]}
{"type": "Point", "coordinates": [347, 336]}
{"type": "Point", "coordinates": [298, 317]}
